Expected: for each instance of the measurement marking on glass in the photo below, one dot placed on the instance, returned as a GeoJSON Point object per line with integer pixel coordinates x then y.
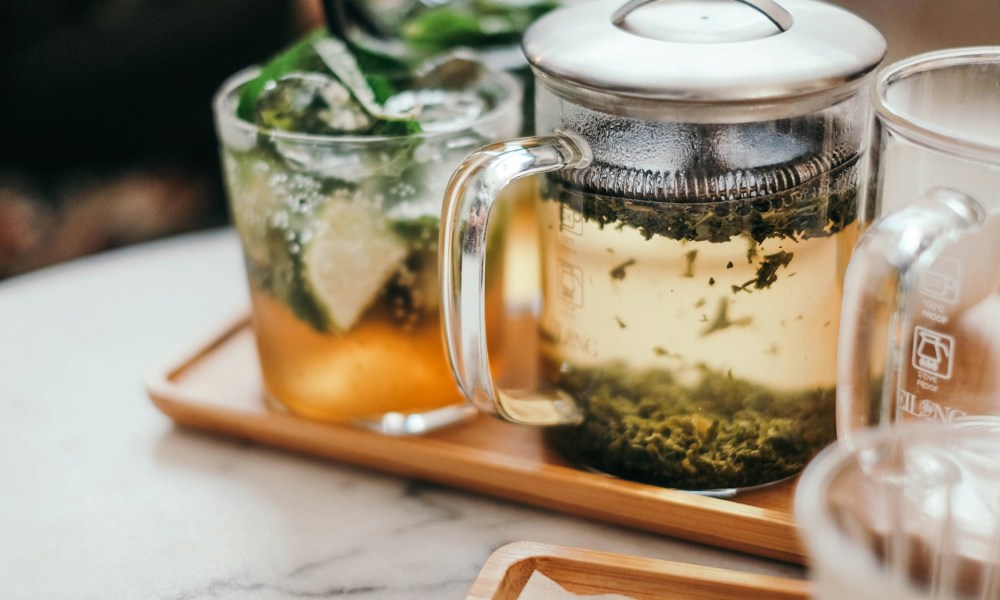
{"type": "Point", "coordinates": [571, 283]}
{"type": "Point", "coordinates": [941, 280]}
{"type": "Point", "coordinates": [570, 221]}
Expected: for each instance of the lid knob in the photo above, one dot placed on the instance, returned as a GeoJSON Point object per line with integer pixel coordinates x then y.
{"type": "Point", "coordinates": [704, 21]}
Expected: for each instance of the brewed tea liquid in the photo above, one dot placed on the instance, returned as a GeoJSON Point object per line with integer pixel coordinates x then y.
{"type": "Point", "coordinates": [703, 358]}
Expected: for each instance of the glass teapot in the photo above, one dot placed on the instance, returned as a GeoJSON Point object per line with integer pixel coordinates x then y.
{"type": "Point", "coordinates": [920, 332]}
{"type": "Point", "coordinates": [699, 202]}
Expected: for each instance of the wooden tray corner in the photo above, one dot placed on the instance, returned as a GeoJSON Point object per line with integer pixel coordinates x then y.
{"type": "Point", "coordinates": [579, 571]}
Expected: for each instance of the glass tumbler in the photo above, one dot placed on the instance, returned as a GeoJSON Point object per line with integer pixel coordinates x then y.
{"type": "Point", "coordinates": [339, 236]}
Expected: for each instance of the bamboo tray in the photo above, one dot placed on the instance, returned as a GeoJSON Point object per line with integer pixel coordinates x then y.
{"type": "Point", "coordinates": [579, 571]}
{"type": "Point", "coordinates": [215, 385]}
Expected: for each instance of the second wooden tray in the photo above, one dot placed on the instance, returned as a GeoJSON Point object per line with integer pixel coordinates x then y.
{"type": "Point", "coordinates": [215, 385]}
{"type": "Point", "coordinates": [506, 574]}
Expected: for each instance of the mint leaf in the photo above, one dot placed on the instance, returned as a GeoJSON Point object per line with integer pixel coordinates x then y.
{"type": "Point", "coordinates": [298, 57]}
{"type": "Point", "coordinates": [395, 128]}
{"type": "Point", "coordinates": [481, 23]}
{"type": "Point", "coordinates": [317, 52]}
{"type": "Point", "coordinates": [381, 87]}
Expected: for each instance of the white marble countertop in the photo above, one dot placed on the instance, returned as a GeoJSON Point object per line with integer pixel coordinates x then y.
{"type": "Point", "coordinates": [102, 497]}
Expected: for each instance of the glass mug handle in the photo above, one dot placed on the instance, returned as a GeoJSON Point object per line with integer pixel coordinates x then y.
{"type": "Point", "coordinates": [884, 269]}
{"type": "Point", "coordinates": [468, 204]}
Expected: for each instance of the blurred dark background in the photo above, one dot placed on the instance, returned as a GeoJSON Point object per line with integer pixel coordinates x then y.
{"type": "Point", "coordinates": [106, 133]}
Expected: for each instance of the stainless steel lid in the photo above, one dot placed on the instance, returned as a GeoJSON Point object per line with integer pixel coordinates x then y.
{"type": "Point", "coordinates": [704, 50]}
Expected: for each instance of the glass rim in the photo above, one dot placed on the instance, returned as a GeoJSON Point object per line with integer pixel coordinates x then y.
{"type": "Point", "coordinates": [825, 540]}
{"type": "Point", "coordinates": [826, 543]}
{"type": "Point", "coordinates": [809, 505]}
{"type": "Point", "coordinates": [229, 119]}
{"type": "Point", "coordinates": [924, 133]}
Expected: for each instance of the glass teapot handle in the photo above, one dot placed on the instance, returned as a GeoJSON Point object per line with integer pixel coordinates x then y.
{"type": "Point", "coordinates": [468, 204]}
{"type": "Point", "coordinates": [884, 269]}
{"type": "Point", "coordinates": [774, 12]}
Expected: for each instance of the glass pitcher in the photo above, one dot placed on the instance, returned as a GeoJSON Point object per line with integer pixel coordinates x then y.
{"type": "Point", "coordinates": [699, 203]}
{"type": "Point", "coordinates": [921, 322]}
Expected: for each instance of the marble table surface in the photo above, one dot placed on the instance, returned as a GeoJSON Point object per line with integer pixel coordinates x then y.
{"type": "Point", "coordinates": [102, 497]}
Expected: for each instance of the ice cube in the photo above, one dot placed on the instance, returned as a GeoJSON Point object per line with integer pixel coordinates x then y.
{"type": "Point", "coordinates": [321, 160]}
{"type": "Point", "coordinates": [310, 103]}
{"type": "Point", "coordinates": [439, 110]}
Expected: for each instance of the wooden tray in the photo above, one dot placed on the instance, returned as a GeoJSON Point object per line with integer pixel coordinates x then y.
{"type": "Point", "coordinates": [216, 385]}
{"type": "Point", "coordinates": [505, 574]}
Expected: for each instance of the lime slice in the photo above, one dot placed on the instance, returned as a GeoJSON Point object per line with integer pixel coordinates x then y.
{"type": "Point", "coordinates": [349, 257]}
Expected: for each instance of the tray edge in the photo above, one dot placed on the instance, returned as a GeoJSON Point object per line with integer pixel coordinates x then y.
{"type": "Point", "coordinates": [508, 568]}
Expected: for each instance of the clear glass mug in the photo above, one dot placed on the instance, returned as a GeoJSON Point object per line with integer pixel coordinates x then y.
{"type": "Point", "coordinates": [691, 255]}
{"type": "Point", "coordinates": [339, 236]}
{"type": "Point", "coordinates": [905, 513]}
{"type": "Point", "coordinates": [920, 329]}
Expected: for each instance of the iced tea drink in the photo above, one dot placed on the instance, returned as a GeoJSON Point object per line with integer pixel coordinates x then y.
{"type": "Point", "coordinates": [335, 176]}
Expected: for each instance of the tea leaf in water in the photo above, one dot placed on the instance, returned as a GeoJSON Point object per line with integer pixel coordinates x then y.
{"type": "Point", "coordinates": [722, 320]}
{"type": "Point", "coordinates": [766, 273]}
{"type": "Point", "coordinates": [618, 273]}
{"type": "Point", "coordinates": [742, 288]}
{"type": "Point", "coordinates": [689, 264]}
{"type": "Point", "coordinates": [722, 432]}
{"type": "Point", "coordinates": [663, 352]}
